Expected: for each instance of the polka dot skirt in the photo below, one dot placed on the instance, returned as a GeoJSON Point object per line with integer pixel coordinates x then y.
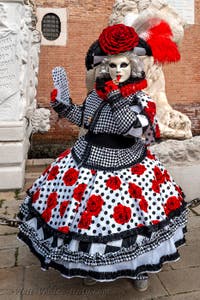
{"type": "Point", "coordinates": [100, 203]}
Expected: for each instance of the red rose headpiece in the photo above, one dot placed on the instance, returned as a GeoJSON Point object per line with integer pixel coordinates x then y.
{"type": "Point", "coordinates": [118, 38]}
{"type": "Point", "coordinates": [157, 41]}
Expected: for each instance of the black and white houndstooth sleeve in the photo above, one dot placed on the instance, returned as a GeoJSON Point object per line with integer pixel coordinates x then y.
{"type": "Point", "coordinates": [72, 112]}
{"type": "Point", "coordinates": [129, 119]}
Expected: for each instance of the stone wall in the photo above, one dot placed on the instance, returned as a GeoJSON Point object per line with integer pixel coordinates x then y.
{"type": "Point", "coordinates": [182, 79]}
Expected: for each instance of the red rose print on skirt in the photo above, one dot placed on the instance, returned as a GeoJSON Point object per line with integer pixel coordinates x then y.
{"type": "Point", "coordinates": [85, 221]}
{"type": "Point", "coordinates": [140, 225]}
{"type": "Point", "coordinates": [155, 222]}
{"type": "Point", "coordinates": [179, 190]}
{"type": "Point", "coordinates": [155, 186]}
{"type": "Point", "coordinates": [122, 214]}
{"type": "Point", "coordinates": [52, 200]}
{"type": "Point", "coordinates": [143, 205]}
{"type": "Point", "coordinates": [46, 170]}
{"type": "Point", "coordinates": [135, 191]}
{"type": "Point", "coordinates": [70, 177]}
{"type": "Point", "coordinates": [94, 205]}
{"type": "Point", "coordinates": [167, 176]}
{"type": "Point", "coordinates": [63, 207]}
{"type": "Point", "coordinates": [172, 204]}
{"type": "Point", "coordinates": [79, 191]}
{"type": "Point", "coordinates": [138, 169]}
{"type": "Point", "coordinates": [159, 175]}
{"type": "Point", "coordinates": [36, 196]}
{"type": "Point", "coordinates": [64, 229]}
{"type": "Point", "coordinates": [63, 154]}
{"type": "Point", "coordinates": [93, 172]}
{"type": "Point", "coordinates": [46, 215]}
{"type": "Point", "coordinates": [113, 183]}
{"type": "Point", "coordinates": [150, 155]}
{"type": "Point", "coordinates": [53, 173]}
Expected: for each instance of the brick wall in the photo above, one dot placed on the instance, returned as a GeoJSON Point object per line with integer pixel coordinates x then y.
{"type": "Point", "coordinates": [85, 21]}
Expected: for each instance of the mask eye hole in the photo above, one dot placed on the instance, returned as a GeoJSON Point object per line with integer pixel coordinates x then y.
{"type": "Point", "coordinates": [124, 65]}
{"type": "Point", "coordinates": [112, 65]}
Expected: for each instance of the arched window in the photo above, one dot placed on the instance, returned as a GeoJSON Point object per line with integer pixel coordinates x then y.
{"type": "Point", "coordinates": [51, 26]}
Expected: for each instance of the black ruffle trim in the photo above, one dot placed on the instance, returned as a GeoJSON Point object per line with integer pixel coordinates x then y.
{"type": "Point", "coordinates": [145, 231]}
{"type": "Point", "coordinates": [105, 275]}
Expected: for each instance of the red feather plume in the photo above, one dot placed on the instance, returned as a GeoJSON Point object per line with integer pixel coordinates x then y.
{"type": "Point", "coordinates": [164, 49]}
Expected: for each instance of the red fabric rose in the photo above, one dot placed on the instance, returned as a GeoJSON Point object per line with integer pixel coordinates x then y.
{"type": "Point", "coordinates": [150, 155]}
{"type": "Point", "coordinates": [93, 172]}
{"type": "Point", "coordinates": [54, 94]}
{"type": "Point", "coordinates": [118, 38]}
{"type": "Point", "coordinates": [172, 204]}
{"type": "Point", "coordinates": [150, 111]}
{"type": "Point", "coordinates": [46, 215]}
{"type": "Point", "coordinates": [79, 191]}
{"type": "Point", "coordinates": [85, 221]}
{"type": "Point", "coordinates": [63, 207]}
{"type": "Point", "coordinates": [52, 200]}
{"type": "Point", "coordinates": [122, 214]}
{"type": "Point", "coordinates": [155, 186]}
{"type": "Point", "coordinates": [94, 205]}
{"type": "Point", "coordinates": [64, 229]}
{"type": "Point", "coordinates": [113, 183]}
{"type": "Point", "coordinates": [159, 175]}
{"type": "Point", "coordinates": [70, 177]}
{"type": "Point", "coordinates": [138, 169]}
{"type": "Point", "coordinates": [64, 154]}
{"type": "Point", "coordinates": [143, 205]}
{"type": "Point", "coordinates": [36, 196]}
{"type": "Point", "coordinates": [140, 225]}
{"type": "Point", "coordinates": [53, 173]}
{"type": "Point", "coordinates": [155, 222]}
{"type": "Point", "coordinates": [135, 191]}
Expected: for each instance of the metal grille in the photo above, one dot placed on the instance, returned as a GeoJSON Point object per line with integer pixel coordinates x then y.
{"type": "Point", "coordinates": [51, 26]}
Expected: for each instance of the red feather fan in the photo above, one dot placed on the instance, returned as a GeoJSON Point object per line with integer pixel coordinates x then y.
{"type": "Point", "coordinates": [164, 49]}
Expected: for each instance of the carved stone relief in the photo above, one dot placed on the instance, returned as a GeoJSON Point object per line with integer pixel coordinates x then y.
{"type": "Point", "coordinates": [173, 124]}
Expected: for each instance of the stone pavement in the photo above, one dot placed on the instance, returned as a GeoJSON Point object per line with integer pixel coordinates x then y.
{"type": "Point", "coordinates": [22, 279]}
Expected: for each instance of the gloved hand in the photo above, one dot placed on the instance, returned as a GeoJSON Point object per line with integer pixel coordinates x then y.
{"type": "Point", "coordinates": [61, 92]}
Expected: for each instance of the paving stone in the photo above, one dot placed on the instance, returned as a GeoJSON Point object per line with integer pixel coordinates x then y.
{"type": "Point", "coordinates": [118, 290]}
{"type": "Point", "coordinates": [187, 296]}
{"type": "Point", "coordinates": [36, 279]}
{"type": "Point", "coordinates": [181, 281]}
{"type": "Point", "coordinates": [26, 257]}
{"type": "Point", "coordinates": [193, 236]}
{"type": "Point", "coordinates": [10, 208]}
{"type": "Point", "coordinates": [7, 195]}
{"type": "Point", "coordinates": [10, 297]}
{"type": "Point", "coordinates": [9, 241]}
{"type": "Point", "coordinates": [6, 230]}
{"type": "Point", "coordinates": [190, 257]}
{"type": "Point", "coordinates": [11, 281]}
{"type": "Point", "coordinates": [193, 222]}
{"type": "Point", "coordinates": [196, 210]}
{"type": "Point", "coordinates": [7, 258]}
{"type": "Point", "coordinates": [155, 290]}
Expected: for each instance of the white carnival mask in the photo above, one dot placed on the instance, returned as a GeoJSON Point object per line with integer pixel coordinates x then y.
{"type": "Point", "coordinates": [119, 68]}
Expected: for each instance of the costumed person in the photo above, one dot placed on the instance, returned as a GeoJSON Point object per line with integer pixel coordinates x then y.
{"type": "Point", "coordinates": [107, 208]}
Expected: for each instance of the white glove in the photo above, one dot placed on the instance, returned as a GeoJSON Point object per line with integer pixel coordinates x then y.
{"type": "Point", "coordinates": [61, 84]}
